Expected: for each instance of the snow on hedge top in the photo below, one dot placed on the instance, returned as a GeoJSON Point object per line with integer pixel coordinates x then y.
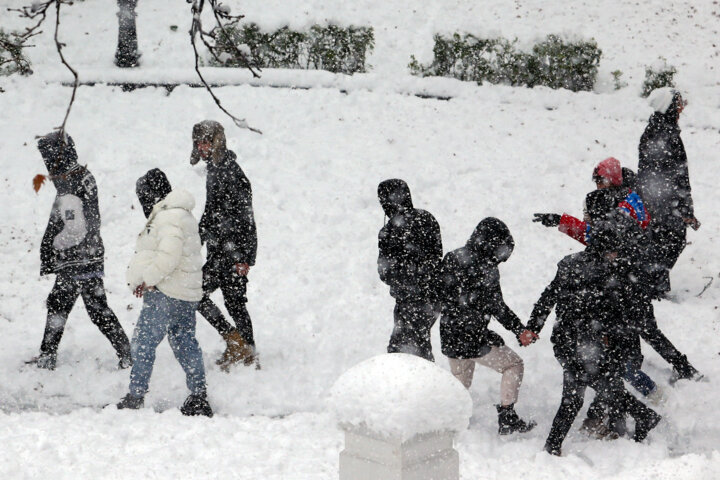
{"type": "Point", "coordinates": [400, 395]}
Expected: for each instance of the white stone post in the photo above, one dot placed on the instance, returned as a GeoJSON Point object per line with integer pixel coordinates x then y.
{"type": "Point", "coordinates": [400, 415]}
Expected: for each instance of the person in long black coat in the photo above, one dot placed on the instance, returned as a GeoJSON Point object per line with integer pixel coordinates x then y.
{"type": "Point", "coordinates": [664, 181]}
{"type": "Point", "coordinates": [73, 250]}
{"type": "Point", "coordinates": [227, 227]}
{"type": "Point", "coordinates": [590, 336]}
{"type": "Point", "coordinates": [470, 297]}
{"type": "Point", "coordinates": [409, 255]}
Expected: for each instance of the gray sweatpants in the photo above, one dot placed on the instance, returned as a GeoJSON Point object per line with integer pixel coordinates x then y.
{"type": "Point", "coordinates": [501, 359]}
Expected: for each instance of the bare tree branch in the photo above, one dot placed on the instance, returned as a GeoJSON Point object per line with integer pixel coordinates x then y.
{"type": "Point", "coordinates": [196, 28]}
{"type": "Point", "coordinates": [59, 46]}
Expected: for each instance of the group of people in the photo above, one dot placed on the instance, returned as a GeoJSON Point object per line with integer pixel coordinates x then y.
{"type": "Point", "coordinates": [167, 269]}
{"type": "Point", "coordinates": [633, 231]}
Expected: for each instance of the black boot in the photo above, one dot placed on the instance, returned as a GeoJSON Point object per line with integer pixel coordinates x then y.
{"type": "Point", "coordinates": [684, 371]}
{"type": "Point", "coordinates": [645, 424]}
{"type": "Point", "coordinates": [47, 361]}
{"type": "Point", "coordinates": [196, 404]}
{"type": "Point", "coordinates": [552, 449]}
{"type": "Point", "coordinates": [131, 402]}
{"type": "Point", "coordinates": [509, 422]}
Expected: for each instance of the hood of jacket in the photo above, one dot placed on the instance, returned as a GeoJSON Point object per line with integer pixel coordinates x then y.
{"type": "Point", "coordinates": [151, 188]}
{"type": "Point", "coordinates": [394, 196]}
{"type": "Point", "coordinates": [212, 132]}
{"type": "Point", "coordinates": [59, 156]}
{"type": "Point", "coordinates": [492, 240]}
{"type": "Point", "coordinates": [178, 198]}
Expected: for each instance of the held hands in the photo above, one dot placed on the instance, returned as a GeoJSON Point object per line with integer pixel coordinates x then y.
{"type": "Point", "coordinates": [527, 337]}
{"type": "Point", "coordinates": [547, 219]}
{"type": "Point", "coordinates": [242, 269]}
{"type": "Point", "coordinates": [140, 290]}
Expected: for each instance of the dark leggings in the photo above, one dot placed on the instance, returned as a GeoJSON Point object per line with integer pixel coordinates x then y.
{"type": "Point", "coordinates": [61, 301]}
{"type": "Point", "coordinates": [233, 288]}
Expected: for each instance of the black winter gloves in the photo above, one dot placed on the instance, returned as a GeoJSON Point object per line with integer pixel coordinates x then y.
{"type": "Point", "coordinates": [547, 219]}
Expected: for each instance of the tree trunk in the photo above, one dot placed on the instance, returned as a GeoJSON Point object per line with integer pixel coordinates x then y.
{"type": "Point", "coordinates": [126, 55]}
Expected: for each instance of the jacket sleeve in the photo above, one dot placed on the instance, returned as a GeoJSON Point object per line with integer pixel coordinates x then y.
{"type": "Point", "coordinates": [240, 235]}
{"type": "Point", "coordinates": [544, 305]}
{"type": "Point", "coordinates": [685, 201]}
{"type": "Point", "coordinates": [574, 228]}
{"type": "Point", "coordinates": [47, 253]}
{"type": "Point", "coordinates": [503, 313]}
{"type": "Point", "coordinates": [428, 269]}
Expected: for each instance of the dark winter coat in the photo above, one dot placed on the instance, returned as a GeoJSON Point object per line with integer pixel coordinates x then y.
{"type": "Point", "coordinates": [593, 300]}
{"type": "Point", "coordinates": [227, 225]}
{"type": "Point", "coordinates": [71, 244]}
{"type": "Point", "coordinates": [471, 293]}
{"type": "Point", "coordinates": [410, 245]}
{"type": "Point", "coordinates": [663, 179]}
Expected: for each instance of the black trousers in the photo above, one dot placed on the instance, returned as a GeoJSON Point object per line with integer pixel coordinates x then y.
{"type": "Point", "coordinates": [611, 393]}
{"type": "Point", "coordinates": [233, 288]}
{"type": "Point", "coordinates": [414, 317]}
{"type": "Point", "coordinates": [61, 301]}
{"type": "Point", "coordinates": [650, 332]}
{"type": "Point", "coordinates": [669, 240]}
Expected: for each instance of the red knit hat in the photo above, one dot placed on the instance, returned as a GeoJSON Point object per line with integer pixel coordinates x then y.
{"type": "Point", "coordinates": [610, 170]}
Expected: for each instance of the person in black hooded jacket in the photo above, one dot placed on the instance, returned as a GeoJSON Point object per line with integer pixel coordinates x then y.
{"type": "Point", "coordinates": [73, 250]}
{"type": "Point", "coordinates": [410, 251]}
{"type": "Point", "coordinates": [590, 336]}
{"type": "Point", "coordinates": [663, 179]}
{"type": "Point", "coordinates": [470, 296]}
{"type": "Point", "coordinates": [227, 227]}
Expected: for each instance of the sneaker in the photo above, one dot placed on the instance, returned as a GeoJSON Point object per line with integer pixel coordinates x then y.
{"type": "Point", "coordinates": [196, 404]}
{"type": "Point", "coordinates": [596, 428]}
{"type": "Point", "coordinates": [131, 402]}
{"type": "Point", "coordinates": [48, 361]}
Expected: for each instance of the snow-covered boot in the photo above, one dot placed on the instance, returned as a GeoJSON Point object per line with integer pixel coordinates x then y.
{"type": "Point", "coordinates": [509, 422]}
{"type": "Point", "coordinates": [131, 402]}
{"type": "Point", "coordinates": [237, 350]}
{"type": "Point", "coordinates": [645, 424]}
{"type": "Point", "coordinates": [48, 361]}
{"type": "Point", "coordinates": [685, 371]}
{"type": "Point", "coordinates": [125, 362]}
{"type": "Point", "coordinates": [196, 404]}
{"type": "Point", "coordinates": [596, 428]}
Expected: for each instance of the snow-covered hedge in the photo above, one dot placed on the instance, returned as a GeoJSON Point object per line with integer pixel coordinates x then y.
{"type": "Point", "coordinates": [12, 58]}
{"type": "Point", "coordinates": [658, 75]}
{"type": "Point", "coordinates": [554, 62]}
{"type": "Point", "coordinates": [330, 47]}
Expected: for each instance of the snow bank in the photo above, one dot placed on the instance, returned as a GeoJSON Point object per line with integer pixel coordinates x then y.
{"type": "Point", "coordinates": [401, 395]}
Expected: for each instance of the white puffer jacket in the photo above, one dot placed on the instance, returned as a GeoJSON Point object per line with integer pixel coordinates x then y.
{"type": "Point", "coordinates": [167, 252]}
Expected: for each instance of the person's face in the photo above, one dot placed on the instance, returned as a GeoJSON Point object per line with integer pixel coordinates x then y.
{"type": "Point", "coordinates": [204, 149]}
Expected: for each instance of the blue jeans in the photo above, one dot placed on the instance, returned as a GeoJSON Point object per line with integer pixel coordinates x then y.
{"type": "Point", "coordinates": [637, 378]}
{"type": "Point", "coordinates": [162, 315]}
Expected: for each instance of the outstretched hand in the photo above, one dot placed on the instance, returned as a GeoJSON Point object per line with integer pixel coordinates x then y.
{"type": "Point", "coordinates": [547, 219]}
{"type": "Point", "coordinates": [693, 223]}
{"type": "Point", "coordinates": [527, 337]}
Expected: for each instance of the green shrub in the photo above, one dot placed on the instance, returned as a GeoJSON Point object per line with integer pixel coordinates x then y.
{"type": "Point", "coordinates": [657, 76]}
{"type": "Point", "coordinates": [332, 48]}
{"type": "Point", "coordinates": [12, 59]}
{"type": "Point", "coordinates": [553, 62]}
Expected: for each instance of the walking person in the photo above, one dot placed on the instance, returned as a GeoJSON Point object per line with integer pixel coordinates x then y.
{"type": "Point", "coordinates": [73, 250]}
{"type": "Point", "coordinates": [664, 180]}
{"type": "Point", "coordinates": [227, 228]}
{"type": "Point", "coordinates": [470, 297]}
{"type": "Point", "coordinates": [166, 271]}
{"type": "Point", "coordinates": [409, 255]}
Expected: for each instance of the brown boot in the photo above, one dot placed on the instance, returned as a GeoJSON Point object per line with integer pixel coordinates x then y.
{"type": "Point", "coordinates": [237, 351]}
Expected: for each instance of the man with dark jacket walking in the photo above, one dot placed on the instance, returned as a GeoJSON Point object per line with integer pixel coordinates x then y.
{"type": "Point", "coordinates": [73, 250]}
{"type": "Point", "coordinates": [470, 296]}
{"type": "Point", "coordinates": [590, 335]}
{"type": "Point", "coordinates": [663, 179]}
{"type": "Point", "coordinates": [227, 228]}
{"type": "Point", "coordinates": [410, 251]}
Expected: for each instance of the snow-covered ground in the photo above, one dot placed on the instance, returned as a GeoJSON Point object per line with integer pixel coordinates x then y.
{"type": "Point", "coordinates": [317, 305]}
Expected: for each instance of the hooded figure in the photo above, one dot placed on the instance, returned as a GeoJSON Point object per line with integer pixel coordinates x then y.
{"type": "Point", "coordinates": [166, 270]}
{"type": "Point", "coordinates": [72, 249]}
{"type": "Point", "coordinates": [663, 180]}
{"type": "Point", "coordinates": [410, 251]}
{"type": "Point", "coordinates": [227, 228]}
{"type": "Point", "coordinates": [470, 297]}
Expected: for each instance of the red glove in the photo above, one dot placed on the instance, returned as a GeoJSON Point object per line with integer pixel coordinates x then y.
{"type": "Point", "coordinates": [527, 337]}
{"type": "Point", "coordinates": [242, 269]}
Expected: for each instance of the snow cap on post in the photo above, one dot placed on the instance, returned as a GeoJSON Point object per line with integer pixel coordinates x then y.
{"type": "Point", "coordinates": [400, 395]}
